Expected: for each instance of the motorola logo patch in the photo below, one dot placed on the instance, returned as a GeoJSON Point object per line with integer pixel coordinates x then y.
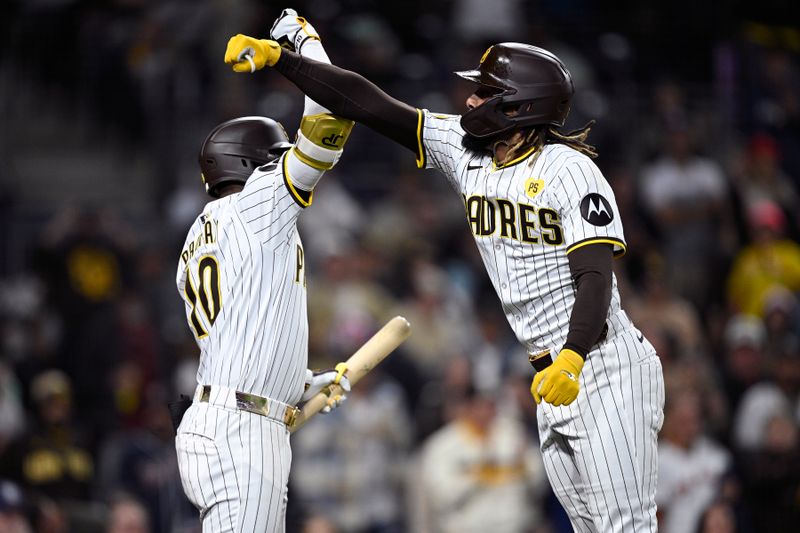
{"type": "Point", "coordinates": [596, 210]}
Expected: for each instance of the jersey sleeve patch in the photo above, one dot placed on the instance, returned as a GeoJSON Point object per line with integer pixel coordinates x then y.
{"type": "Point", "coordinates": [596, 210]}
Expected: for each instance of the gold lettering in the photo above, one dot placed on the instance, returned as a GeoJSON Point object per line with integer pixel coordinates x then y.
{"type": "Point", "coordinates": [300, 271]}
{"type": "Point", "coordinates": [508, 219]}
{"type": "Point", "coordinates": [526, 225]}
{"type": "Point", "coordinates": [209, 233]}
{"type": "Point", "coordinates": [551, 226]}
{"type": "Point", "coordinates": [474, 214]}
{"type": "Point", "coordinates": [488, 223]}
{"type": "Point", "coordinates": [516, 221]}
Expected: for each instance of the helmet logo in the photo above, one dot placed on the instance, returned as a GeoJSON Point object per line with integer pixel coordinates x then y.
{"type": "Point", "coordinates": [533, 186]}
{"type": "Point", "coordinates": [486, 53]}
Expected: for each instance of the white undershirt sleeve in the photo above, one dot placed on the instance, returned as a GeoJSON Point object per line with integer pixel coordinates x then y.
{"type": "Point", "coordinates": [303, 176]}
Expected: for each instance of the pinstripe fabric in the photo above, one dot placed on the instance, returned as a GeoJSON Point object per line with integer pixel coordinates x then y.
{"type": "Point", "coordinates": [600, 451]}
{"type": "Point", "coordinates": [234, 467]}
{"type": "Point", "coordinates": [259, 341]}
{"type": "Point", "coordinates": [241, 274]}
{"type": "Point", "coordinates": [533, 280]}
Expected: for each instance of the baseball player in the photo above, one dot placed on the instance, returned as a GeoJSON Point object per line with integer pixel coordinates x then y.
{"type": "Point", "coordinates": [547, 226]}
{"type": "Point", "coordinates": [242, 276]}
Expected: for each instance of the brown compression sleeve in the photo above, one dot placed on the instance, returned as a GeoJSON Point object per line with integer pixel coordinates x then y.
{"type": "Point", "coordinates": [351, 96]}
{"type": "Point", "coordinates": [590, 267]}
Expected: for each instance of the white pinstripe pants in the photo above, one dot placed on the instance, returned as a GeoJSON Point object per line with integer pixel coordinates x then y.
{"type": "Point", "coordinates": [234, 468]}
{"type": "Point", "coordinates": [600, 452]}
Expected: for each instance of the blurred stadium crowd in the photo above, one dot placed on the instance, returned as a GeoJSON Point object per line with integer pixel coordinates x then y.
{"type": "Point", "coordinates": [103, 105]}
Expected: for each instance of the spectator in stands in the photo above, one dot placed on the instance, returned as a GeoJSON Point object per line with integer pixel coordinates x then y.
{"type": "Point", "coordinates": [761, 178]}
{"type": "Point", "coordinates": [318, 524]}
{"type": "Point", "coordinates": [85, 257]}
{"type": "Point", "coordinates": [657, 306]}
{"type": "Point", "coordinates": [690, 465]}
{"type": "Point", "coordinates": [744, 359]}
{"type": "Point", "coordinates": [777, 397]}
{"type": "Point", "coordinates": [443, 319]}
{"type": "Point", "coordinates": [771, 476]}
{"type": "Point", "coordinates": [347, 300]}
{"type": "Point", "coordinates": [141, 463]}
{"type": "Point", "coordinates": [52, 457]}
{"type": "Point", "coordinates": [782, 321]}
{"type": "Point", "coordinates": [348, 466]}
{"type": "Point", "coordinates": [770, 261]}
{"type": "Point", "coordinates": [127, 515]}
{"type": "Point", "coordinates": [478, 473]}
{"type": "Point", "coordinates": [718, 517]}
{"type": "Point", "coordinates": [685, 194]}
{"type": "Point", "coordinates": [12, 415]}
{"type": "Point", "coordinates": [12, 509]}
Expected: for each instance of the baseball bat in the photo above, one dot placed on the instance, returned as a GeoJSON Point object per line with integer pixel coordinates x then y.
{"type": "Point", "coordinates": [359, 364]}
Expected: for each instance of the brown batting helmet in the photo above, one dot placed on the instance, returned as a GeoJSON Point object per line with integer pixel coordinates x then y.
{"type": "Point", "coordinates": [527, 79]}
{"type": "Point", "coordinates": [235, 148]}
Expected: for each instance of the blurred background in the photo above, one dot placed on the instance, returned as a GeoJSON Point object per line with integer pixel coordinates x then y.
{"type": "Point", "coordinates": [103, 106]}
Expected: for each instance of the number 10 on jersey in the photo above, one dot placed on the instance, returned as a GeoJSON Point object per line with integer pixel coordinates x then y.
{"type": "Point", "coordinates": [207, 294]}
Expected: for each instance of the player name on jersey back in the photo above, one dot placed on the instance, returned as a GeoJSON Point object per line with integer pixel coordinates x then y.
{"type": "Point", "coordinates": [207, 235]}
{"type": "Point", "coordinates": [241, 274]}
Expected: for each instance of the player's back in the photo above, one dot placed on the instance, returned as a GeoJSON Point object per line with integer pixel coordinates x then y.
{"type": "Point", "coordinates": [242, 279]}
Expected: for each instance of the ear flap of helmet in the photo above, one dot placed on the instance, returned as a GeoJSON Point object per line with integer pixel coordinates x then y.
{"type": "Point", "coordinates": [487, 120]}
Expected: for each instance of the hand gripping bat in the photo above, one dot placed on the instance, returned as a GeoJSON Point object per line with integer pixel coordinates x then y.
{"type": "Point", "coordinates": [375, 350]}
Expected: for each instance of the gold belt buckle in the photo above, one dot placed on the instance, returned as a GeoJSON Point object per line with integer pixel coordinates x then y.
{"type": "Point", "coordinates": [290, 415]}
{"type": "Point", "coordinates": [252, 403]}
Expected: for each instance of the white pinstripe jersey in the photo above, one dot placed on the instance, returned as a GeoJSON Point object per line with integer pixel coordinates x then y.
{"type": "Point", "coordinates": [526, 216]}
{"type": "Point", "coordinates": [242, 278]}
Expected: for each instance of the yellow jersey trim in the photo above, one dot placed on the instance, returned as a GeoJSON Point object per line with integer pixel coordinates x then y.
{"type": "Point", "coordinates": [420, 149]}
{"type": "Point", "coordinates": [600, 240]}
{"type": "Point", "coordinates": [513, 161]}
{"type": "Point", "coordinates": [296, 195]}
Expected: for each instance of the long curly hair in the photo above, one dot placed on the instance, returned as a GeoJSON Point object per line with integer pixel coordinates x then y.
{"type": "Point", "coordinates": [575, 139]}
{"type": "Point", "coordinates": [541, 135]}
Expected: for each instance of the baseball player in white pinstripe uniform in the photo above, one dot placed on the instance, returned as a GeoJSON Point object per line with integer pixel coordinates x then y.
{"type": "Point", "coordinates": [242, 276]}
{"type": "Point", "coordinates": [547, 226]}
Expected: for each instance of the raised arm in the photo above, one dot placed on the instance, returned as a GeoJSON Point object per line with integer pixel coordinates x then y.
{"type": "Point", "coordinates": [344, 93]}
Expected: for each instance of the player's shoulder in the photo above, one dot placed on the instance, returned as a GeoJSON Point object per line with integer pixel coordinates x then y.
{"type": "Point", "coordinates": [560, 160]}
{"type": "Point", "coordinates": [271, 167]}
{"type": "Point", "coordinates": [269, 170]}
{"type": "Point", "coordinates": [262, 181]}
{"type": "Point", "coordinates": [444, 117]}
{"type": "Point", "coordinates": [442, 121]}
{"type": "Point", "coordinates": [565, 155]}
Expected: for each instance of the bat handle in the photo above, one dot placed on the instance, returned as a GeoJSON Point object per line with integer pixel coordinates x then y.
{"type": "Point", "coordinates": [246, 54]}
{"type": "Point", "coordinates": [249, 59]}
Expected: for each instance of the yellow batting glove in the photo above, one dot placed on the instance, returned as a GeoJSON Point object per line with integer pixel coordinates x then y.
{"type": "Point", "coordinates": [248, 54]}
{"type": "Point", "coordinates": [341, 368]}
{"type": "Point", "coordinates": [558, 383]}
